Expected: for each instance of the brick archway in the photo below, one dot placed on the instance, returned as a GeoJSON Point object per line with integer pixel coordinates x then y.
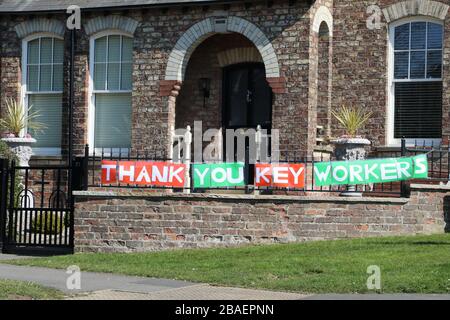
{"type": "Point", "coordinates": [185, 46]}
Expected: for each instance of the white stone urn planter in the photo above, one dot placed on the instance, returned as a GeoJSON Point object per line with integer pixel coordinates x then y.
{"type": "Point", "coordinates": [21, 147]}
{"type": "Point", "coordinates": [351, 149]}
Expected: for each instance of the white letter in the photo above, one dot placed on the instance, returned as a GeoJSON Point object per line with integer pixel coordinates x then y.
{"type": "Point", "coordinates": [124, 173]}
{"type": "Point", "coordinates": [370, 171]}
{"type": "Point", "coordinates": [157, 176]}
{"type": "Point", "coordinates": [388, 171]}
{"type": "Point", "coordinates": [323, 176]}
{"type": "Point", "coordinates": [240, 177]}
{"type": "Point", "coordinates": [175, 174]}
{"type": "Point", "coordinates": [374, 20]}
{"type": "Point", "coordinates": [74, 21]}
{"type": "Point", "coordinates": [108, 168]}
{"type": "Point", "coordinates": [280, 175]}
{"type": "Point", "coordinates": [296, 174]}
{"type": "Point", "coordinates": [344, 170]}
{"type": "Point", "coordinates": [420, 165]}
{"type": "Point", "coordinates": [215, 175]}
{"type": "Point", "coordinates": [262, 174]}
{"type": "Point", "coordinates": [374, 281]}
{"type": "Point", "coordinates": [355, 173]}
{"type": "Point", "coordinates": [73, 282]}
{"type": "Point", "coordinates": [202, 175]}
{"type": "Point", "coordinates": [143, 175]}
{"type": "Point", "coordinates": [403, 171]}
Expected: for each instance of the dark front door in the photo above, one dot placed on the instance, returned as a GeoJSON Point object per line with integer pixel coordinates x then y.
{"type": "Point", "coordinates": [247, 97]}
{"type": "Point", "coordinates": [247, 103]}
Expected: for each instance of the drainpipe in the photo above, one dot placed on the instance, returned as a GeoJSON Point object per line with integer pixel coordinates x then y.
{"type": "Point", "coordinates": [70, 153]}
{"type": "Point", "coordinates": [71, 94]}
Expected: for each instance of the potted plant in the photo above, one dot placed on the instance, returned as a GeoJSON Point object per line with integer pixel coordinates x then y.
{"type": "Point", "coordinates": [351, 146]}
{"type": "Point", "coordinates": [13, 125]}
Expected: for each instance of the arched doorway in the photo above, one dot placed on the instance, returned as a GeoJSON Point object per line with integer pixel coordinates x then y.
{"type": "Point", "coordinates": [237, 94]}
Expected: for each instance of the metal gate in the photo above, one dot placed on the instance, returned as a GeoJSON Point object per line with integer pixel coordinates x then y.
{"type": "Point", "coordinates": [36, 208]}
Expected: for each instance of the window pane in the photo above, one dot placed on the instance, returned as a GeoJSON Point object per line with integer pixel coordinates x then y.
{"type": "Point", "coordinates": [417, 64]}
{"type": "Point", "coordinates": [100, 50]}
{"type": "Point", "coordinates": [112, 120]}
{"type": "Point", "coordinates": [418, 35]}
{"type": "Point", "coordinates": [127, 49]}
{"type": "Point", "coordinates": [58, 53]}
{"type": "Point", "coordinates": [100, 76]}
{"type": "Point", "coordinates": [401, 65]}
{"type": "Point", "coordinates": [33, 78]}
{"type": "Point", "coordinates": [402, 37]}
{"type": "Point", "coordinates": [434, 36]}
{"type": "Point", "coordinates": [58, 77]}
{"type": "Point", "coordinates": [418, 110]}
{"type": "Point", "coordinates": [49, 108]}
{"type": "Point", "coordinates": [434, 69]}
{"type": "Point", "coordinates": [33, 51]}
{"type": "Point", "coordinates": [45, 82]}
{"type": "Point", "coordinates": [126, 81]}
{"type": "Point", "coordinates": [46, 50]}
{"type": "Point", "coordinates": [114, 49]}
{"type": "Point", "coordinates": [113, 76]}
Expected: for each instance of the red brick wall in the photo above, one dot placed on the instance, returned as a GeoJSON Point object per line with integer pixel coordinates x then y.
{"type": "Point", "coordinates": [155, 222]}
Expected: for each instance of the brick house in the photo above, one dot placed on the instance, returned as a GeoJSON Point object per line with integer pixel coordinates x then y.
{"type": "Point", "coordinates": [144, 67]}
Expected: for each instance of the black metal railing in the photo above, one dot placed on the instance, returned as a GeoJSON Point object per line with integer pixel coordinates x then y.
{"type": "Point", "coordinates": [92, 170]}
{"type": "Point", "coordinates": [36, 207]}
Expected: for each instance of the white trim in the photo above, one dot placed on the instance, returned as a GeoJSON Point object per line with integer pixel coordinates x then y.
{"type": "Point", "coordinates": [390, 112]}
{"type": "Point", "coordinates": [91, 91]}
{"type": "Point", "coordinates": [24, 91]}
{"type": "Point", "coordinates": [323, 14]}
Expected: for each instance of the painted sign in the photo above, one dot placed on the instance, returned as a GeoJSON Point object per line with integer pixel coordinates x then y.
{"type": "Point", "coordinates": [280, 175]}
{"type": "Point", "coordinates": [146, 173]}
{"type": "Point", "coordinates": [221, 175]}
{"type": "Point", "coordinates": [370, 171]}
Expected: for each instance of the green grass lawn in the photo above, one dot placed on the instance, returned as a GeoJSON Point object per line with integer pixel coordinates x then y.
{"type": "Point", "coordinates": [418, 264]}
{"type": "Point", "coordinates": [18, 290]}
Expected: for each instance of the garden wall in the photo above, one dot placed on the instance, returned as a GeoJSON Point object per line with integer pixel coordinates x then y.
{"type": "Point", "coordinates": [125, 221]}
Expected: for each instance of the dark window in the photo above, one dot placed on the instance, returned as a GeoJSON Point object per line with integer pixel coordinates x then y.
{"type": "Point", "coordinates": [418, 110]}
{"type": "Point", "coordinates": [418, 80]}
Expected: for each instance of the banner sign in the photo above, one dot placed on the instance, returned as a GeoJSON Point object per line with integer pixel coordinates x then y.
{"type": "Point", "coordinates": [218, 175]}
{"type": "Point", "coordinates": [370, 171]}
{"type": "Point", "coordinates": [146, 173]}
{"type": "Point", "coordinates": [228, 175]}
{"type": "Point", "coordinates": [280, 175]}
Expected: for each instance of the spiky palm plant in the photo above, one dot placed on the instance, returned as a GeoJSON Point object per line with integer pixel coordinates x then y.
{"type": "Point", "coordinates": [15, 119]}
{"type": "Point", "coordinates": [352, 118]}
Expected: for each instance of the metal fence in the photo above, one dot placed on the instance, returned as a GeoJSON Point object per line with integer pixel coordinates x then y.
{"type": "Point", "coordinates": [36, 209]}
{"type": "Point", "coordinates": [93, 172]}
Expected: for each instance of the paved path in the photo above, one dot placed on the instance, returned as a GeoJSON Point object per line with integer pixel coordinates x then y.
{"type": "Point", "coordinates": [102, 286]}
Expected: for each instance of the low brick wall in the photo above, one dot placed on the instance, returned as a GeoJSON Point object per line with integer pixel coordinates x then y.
{"type": "Point", "coordinates": [124, 221]}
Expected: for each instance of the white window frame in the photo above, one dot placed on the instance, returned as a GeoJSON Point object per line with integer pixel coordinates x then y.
{"type": "Point", "coordinates": [24, 87]}
{"type": "Point", "coordinates": [92, 92]}
{"type": "Point", "coordinates": [391, 140]}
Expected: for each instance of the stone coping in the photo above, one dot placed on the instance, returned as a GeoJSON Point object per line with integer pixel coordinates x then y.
{"type": "Point", "coordinates": [430, 187]}
{"type": "Point", "coordinates": [232, 197]}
